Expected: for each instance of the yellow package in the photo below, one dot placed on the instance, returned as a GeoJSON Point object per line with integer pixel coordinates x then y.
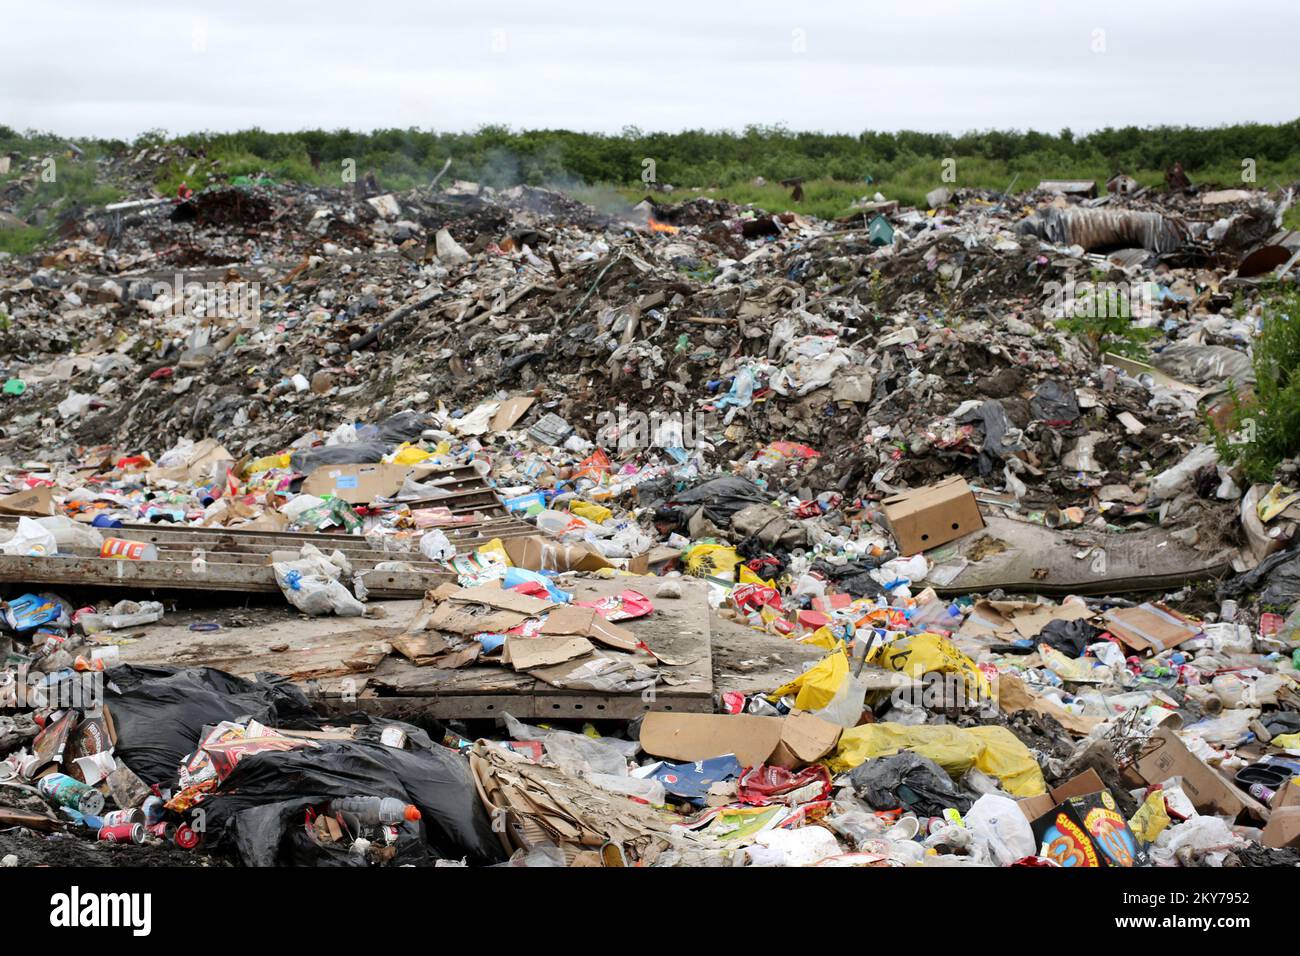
{"type": "Point", "coordinates": [711, 560]}
{"type": "Point", "coordinates": [817, 685]}
{"type": "Point", "coordinates": [1286, 741]}
{"type": "Point", "coordinates": [497, 550]}
{"type": "Point", "coordinates": [745, 576]}
{"type": "Point", "coordinates": [1151, 818]}
{"type": "Point", "coordinates": [991, 749]}
{"type": "Point", "coordinates": [822, 637]}
{"type": "Point", "coordinates": [590, 511]}
{"type": "Point", "coordinates": [921, 654]}
{"type": "Point", "coordinates": [267, 463]}
{"type": "Point", "coordinates": [408, 454]}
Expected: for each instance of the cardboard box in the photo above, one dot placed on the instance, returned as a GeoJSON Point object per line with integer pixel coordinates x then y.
{"type": "Point", "coordinates": [1165, 756]}
{"type": "Point", "coordinates": [1283, 828]}
{"type": "Point", "coordinates": [356, 484]}
{"type": "Point", "coordinates": [1080, 785]}
{"type": "Point", "coordinates": [537, 553]}
{"type": "Point", "coordinates": [37, 501]}
{"type": "Point", "coordinates": [789, 742]}
{"type": "Point", "coordinates": [928, 517]}
{"type": "Point", "coordinates": [1088, 831]}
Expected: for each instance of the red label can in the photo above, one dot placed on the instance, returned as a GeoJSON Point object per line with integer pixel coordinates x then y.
{"type": "Point", "coordinates": [122, 833]}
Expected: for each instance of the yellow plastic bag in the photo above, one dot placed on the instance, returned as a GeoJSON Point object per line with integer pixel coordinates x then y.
{"type": "Point", "coordinates": [1151, 818]}
{"type": "Point", "coordinates": [590, 511]}
{"type": "Point", "coordinates": [267, 463]}
{"type": "Point", "coordinates": [817, 685]}
{"type": "Point", "coordinates": [711, 560]}
{"type": "Point", "coordinates": [921, 654]}
{"type": "Point", "coordinates": [822, 637]}
{"type": "Point", "coordinates": [408, 454]}
{"type": "Point", "coordinates": [745, 576]}
{"type": "Point", "coordinates": [497, 550]}
{"type": "Point", "coordinates": [1286, 741]}
{"type": "Point", "coordinates": [993, 750]}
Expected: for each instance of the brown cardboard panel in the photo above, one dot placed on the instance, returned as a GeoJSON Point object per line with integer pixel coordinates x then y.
{"type": "Point", "coordinates": [537, 553]}
{"type": "Point", "coordinates": [510, 411]}
{"type": "Point", "coordinates": [928, 517]}
{"type": "Point", "coordinates": [356, 484]}
{"type": "Point", "coordinates": [805, 739]}
{"type": "Point", "coordinates": [686, 737]}
{"type": "Point", "coordinates": [1148, 627]}
{"type": "Point", "coordinates": [1283, 829]}
{"type": "Point", "coordinates": [1167, 756]}
{"type": "Point", "coordinates": [34, 501]}
{"type": "Point", "coordinates": [525, 653]}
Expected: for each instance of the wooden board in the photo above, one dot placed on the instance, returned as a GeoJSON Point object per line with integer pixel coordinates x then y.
{"type": "Point", "coordinates": [318, 649]}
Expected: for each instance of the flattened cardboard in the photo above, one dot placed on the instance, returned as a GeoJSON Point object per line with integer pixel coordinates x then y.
{"type": "Point", "coordinates": [586, 622]}
{"type": "Point", "coordinates": [928, 517]}
{"type": "Point", "coordinates": [791, 742]}
{"type": "Point", "coordinates": [356, 484]}
{"type": "Point", "coordinates": [526, 653]}
{"type": "Point", "coordinates": [538, 553]}
{"type": "Point", "coordinates": [1165, 756]}
{"type": "Point", "coordinates": [1148, 627]}
{"type": "Point", "coordinates": [37, 502]}
{"type": "Point", "coordinates": [690, 737]}
{"type": "Point", "coordinates": [509, 412]}
{"type": "Point", "coordinates": [456, 619]}
{"type": "Point", "coordinates": [494, 595]}
{"type": "Point", "coordinates": [1013, 695]}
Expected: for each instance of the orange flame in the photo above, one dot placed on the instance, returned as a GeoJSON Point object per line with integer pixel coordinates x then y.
{"type": "Point", "coordinates": [655, 225]}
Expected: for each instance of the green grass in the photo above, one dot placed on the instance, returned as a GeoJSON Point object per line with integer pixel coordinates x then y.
{"type": "Point", "coordinates": [20, 242]}
{"type": "Point", "coordinates": [1264, 427]}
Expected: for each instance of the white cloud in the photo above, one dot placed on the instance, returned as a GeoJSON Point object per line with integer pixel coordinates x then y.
{"type": "Point", "coordinates": [84, 67]}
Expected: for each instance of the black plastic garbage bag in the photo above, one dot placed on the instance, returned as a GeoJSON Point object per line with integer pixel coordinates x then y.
{"type": "Point", "coordinates": [908, 780]}
{"type": "Point", "coordinates": [404, 426]}
{"type": "Point", "coordinates": [348, 453]}
{"type": "Point", "coordinates": [721, 498]}
{"type": "Point", "coordinates": [1000, 441]}
{"type": "Point", "coordinates": [159, 712]}
{"type": "Point", "coordinates": [1053, 402]}
{"type": "Point", "coordinates": [853, 577]}
{"type": "Point", "coordinates": [1071, 638]}
{"type": "Point", "coordinates": [1279, 574]}
{"type": "Point", "coordinates": [259, 810]}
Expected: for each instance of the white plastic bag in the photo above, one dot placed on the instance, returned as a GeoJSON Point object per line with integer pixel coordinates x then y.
{"type": "Point", "coordinates": [31, 539]}
{"type": "Point", "coordinates": [435, 546]}
{"type": "Point", "coordinates": [1001, 832]}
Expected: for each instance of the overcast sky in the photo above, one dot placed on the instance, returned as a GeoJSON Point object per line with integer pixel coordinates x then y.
{"type": "Point", "coordinates": [119, 67]}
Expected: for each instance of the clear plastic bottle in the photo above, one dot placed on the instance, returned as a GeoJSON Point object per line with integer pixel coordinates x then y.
{"type": "Point", "coordinates": [374, 811]}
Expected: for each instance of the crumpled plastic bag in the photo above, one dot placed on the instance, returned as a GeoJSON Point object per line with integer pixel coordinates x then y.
{"type": "Point", "coordinates": [908, 780]}
{"type": "Point", "coordinates": [920, 654]}
{"type": "Point", "coordinates": [32, 539]}
{"type": "Point", "coordinates": [1001, 832]}
{"type": "Point", "coordinates": [993, 750]}
{"type": "Point", "coordinates": [816, 687]}
{"type": "Point", "coordinates": [311, 584]}
{"type": "Point", "coordinates": [435, 545]}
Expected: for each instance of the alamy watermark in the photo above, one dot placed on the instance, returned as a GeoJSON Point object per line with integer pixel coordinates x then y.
{"type": "Point", "coordinates": [630, 430]}
{"type": "Point", "coordinates": [210, 300]}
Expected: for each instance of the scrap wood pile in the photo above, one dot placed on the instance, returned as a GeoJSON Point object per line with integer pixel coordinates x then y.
{"type": "Point", "coordinates": [1054, 624]}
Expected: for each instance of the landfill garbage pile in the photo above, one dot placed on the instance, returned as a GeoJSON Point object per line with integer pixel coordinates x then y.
{"type": "Point", "coordinates": [1038, 620]}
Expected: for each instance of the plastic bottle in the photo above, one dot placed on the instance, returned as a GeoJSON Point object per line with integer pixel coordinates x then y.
{"type": "Point", "coordinates": [373, 811]}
